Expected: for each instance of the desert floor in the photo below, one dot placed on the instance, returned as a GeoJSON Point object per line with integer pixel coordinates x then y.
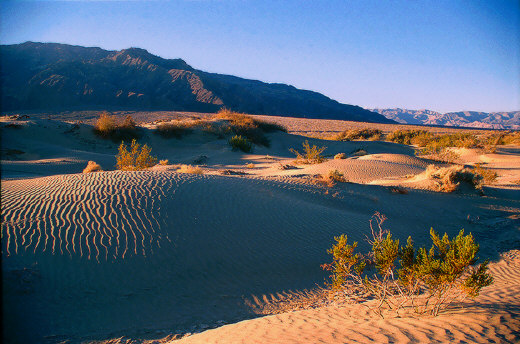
{"type": "Point", "coordinates": [144, 256]}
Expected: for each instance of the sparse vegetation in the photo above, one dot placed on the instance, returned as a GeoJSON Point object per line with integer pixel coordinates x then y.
{"type": "Point", "coordinates": [336, 176]}
{"type": "Point", "coordinates": [359, 134]}
{"type": "Point", "coordinates": [92, 166]}
{"type": "Point", "coordinates": [310, 155]}
{"type": "Point", "coordinates": [340, 156]}
{"type": "Point", "coordinates": [164, 162]}
{"type": "Point", "coordinates": [137, 158]}
{"type": "Point", "coordinates": [488, 175]}
{"type": "Point", "coordinates": [190, 169]}
{"type": "Point", "coordinates": [238, 142]}
{"type": "Point", "coordinates": [359, 152]}
{"type": "Point", "coordinates": [423, 280]}
{"type": "Point", "coordinates": [176, 129]}
{"type": "Point", "coordinates": [108, 127]}
{"type": "Point", "coordinates": [449, 179]}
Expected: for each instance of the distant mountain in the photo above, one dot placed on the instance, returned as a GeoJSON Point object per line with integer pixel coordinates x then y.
{"type": "Point", "coordinates": [50, 76]}
{"type": "Point", "coordinates": [493, 120]}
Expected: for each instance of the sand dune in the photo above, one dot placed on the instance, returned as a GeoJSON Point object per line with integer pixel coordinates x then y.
{"type": "Point", "coordinates": [148, 254]}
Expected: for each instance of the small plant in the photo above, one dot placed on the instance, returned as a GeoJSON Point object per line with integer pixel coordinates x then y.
{"type": "Point", "coordinates": [190, 169]}
{"type": "Point", "coordinates": [488, 175]}
{"type": "Point", "coordinates": [310, 155]}
{"type": "Point", "coordinates": [164, 162]}
{"type": "Point", "coordinates": [340, 156]}
{"type": "Point", "coordinates": [449, 179]}
{"type": "Point", "coordinates": [241, 143]}
{"type": "Point", "coordinates": [176, 129]}
{"type": "Point", "coordinates": [336, 176]}
{"type": "Point", "coordinates": [108, 127]}
{"type": "Point", "coordinates": [359, 134]}
{"type": "Point", "coordinates": [137, 158]}
{"type": "Point", "coordinates": [423, 280]}
{"type": "Point", "coordinates": [92, 166]}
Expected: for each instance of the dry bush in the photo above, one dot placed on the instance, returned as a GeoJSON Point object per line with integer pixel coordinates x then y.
{"type": "Point", "coordinates": [108, 127]}
{"type": "Point", "coordinates": [250, 165]}
{"type": "Point", "coordinates": [137, 158]}
{"type": "Point", "coordinates": [407, 137]}
{"type": "Point", "coordinates": [359, 152]}
{"type": "Point", "coordinates": [359, 134]}
{"type": "Point", "coordinates": [398, 190]}
{"type": "Point", "coordinates": [423, 280]}
{"type": "Point", "coordinates": [336, 176]}
{"type": "Point", "coordinates": [442, 154]}
{"type": "Point", "coordinates": [449, 179]}
{"type": "Point", "coordinates": [238, 142]}
{"type": "Point", "coordinates": [310, 155]}
{"type": "Point", "coordinates": [252, 129]}
{"type": "Point", "coordinates": [190, 169]}
{"type": "Point", "coordinates": [176, 129]}
{"type": "Point", "coordinates": [164, 162]}
{"type": "Point", "coordinates": [340, 156]}
{"type": "Point", "coordinates": [92, 166]}
{"type": "Point", "coordinates": [488, 175]}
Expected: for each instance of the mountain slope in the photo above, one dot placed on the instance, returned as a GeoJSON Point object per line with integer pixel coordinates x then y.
{"type": "Point", "coordinates": [493, 120]}
{"type": "Point", "coordinates": [47, 76]}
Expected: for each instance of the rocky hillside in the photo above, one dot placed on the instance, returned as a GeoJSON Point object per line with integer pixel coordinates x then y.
{"type": "Point", "coordinates": [493, 120]}
{"type": "Point", "coordinates": [50, 76]}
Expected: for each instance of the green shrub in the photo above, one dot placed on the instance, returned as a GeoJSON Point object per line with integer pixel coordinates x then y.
{"type": "Point", "coordinates": [239, 142]}
{"type": "Point", "coordinates": [408, 137]}
{"type": "Point", "coordinates": [137, 158]}
{"type": "Point", "coordinates": [424, 280]}
{"type": "Point", "coordinates": [310, 155]}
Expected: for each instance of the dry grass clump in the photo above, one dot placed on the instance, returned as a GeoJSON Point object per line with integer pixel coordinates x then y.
{"type": "Point", "coordinates": [450, 179]}
{"type": "Point", "coordinates": [176, 129]}
{"type": "Point", "coordinates": [137, 158]}
{"type": "Point", "coordinates": [408, 137]}
{"type": "Point", "coordinates": [359, 134]}
{"type": "Point", "coordinates": [108, 127]}
{"type": "Point", "coordinates": [502, 138]}
{"type": "Point", "coordinates": [164, 162]}
{"type": "Point", "coordinates": [252, 129]}
{"type": "Point", "coordinates": [398, 190]}
{"type": "Point", "coordinates": [442, 154]}
{"type": "Point", "coordinates": [310, 155]}
{"type": "Point", "coordinates": [238, 142]}
{"type": "Point", "coordinates": [359, 152]}
{"type": "Point", "coordinates": [340, 156]}
{"type": "Point", "coordinates": [488, 175]}
{"type": "Point", "coordinates": [92, 166]}
{"type": "Point", "coordinates": [336, 176]}
{"type": "Point", "coordinates": [190, 169]}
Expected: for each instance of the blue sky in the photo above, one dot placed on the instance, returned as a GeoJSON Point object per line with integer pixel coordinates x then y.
{"type": "Point", "coordinates": [439, 55]}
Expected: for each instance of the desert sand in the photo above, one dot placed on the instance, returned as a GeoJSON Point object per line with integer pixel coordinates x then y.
{"type": "Point", "coordinates": [121, 257]}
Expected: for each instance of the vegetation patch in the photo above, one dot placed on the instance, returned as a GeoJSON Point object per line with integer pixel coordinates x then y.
{"type": "Point", "coordinates": [488, 175]}
{"type": "Point", "coordinates": [176, 129]}
{"type": "Point", "coordinates": [92, 166]}
{"type": "Point", "coordinates": [310, 154]}
{"type": "Point", "coordinates": [190, 169]}
{"type": "Point", "coordinates": [359, 134]}
{"type": "Point", "coordinates": [238, 142]}
{"type": "Point", "coordinates": [108, 127]}
{"type": "Point", "coordinates": [137, 158]}
{"type": "Point", "coordinates": [340, 156]}
{"type": "Point", "coordinates": [424, 280]}
{"type": "Point", "coordinates": [450, 179]}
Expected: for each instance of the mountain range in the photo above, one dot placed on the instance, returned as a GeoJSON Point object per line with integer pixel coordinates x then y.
{"type": "Point", "coordinates": [52, 76]}
{"type": "Point", "coordinates": [473, 119]}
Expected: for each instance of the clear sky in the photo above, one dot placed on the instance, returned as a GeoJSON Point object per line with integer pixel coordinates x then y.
{"type": "Point", "coordinates": [440, 55]}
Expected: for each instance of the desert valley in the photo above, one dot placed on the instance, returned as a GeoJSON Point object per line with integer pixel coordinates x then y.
{"type": "Point", "coordinates": [353, 178]}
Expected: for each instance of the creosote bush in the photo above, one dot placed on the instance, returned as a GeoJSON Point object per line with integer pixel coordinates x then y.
{"type": "Point", "coordinates": [449, 179]}
{"type": "Point", "coordinates": [359, 134]}
{"type": "Point", "coordinates": [238, 142]}
{"type": "Point", "coordinates": [137, 158]}
{"type": "Point", "coordinates": [404, 277]}
{"type": "Point", "coordinates": [488, 175]}
{"type": "Point", "coordinates": [310, 155]}
{"type": "Point", "coordinates": [108, 127]}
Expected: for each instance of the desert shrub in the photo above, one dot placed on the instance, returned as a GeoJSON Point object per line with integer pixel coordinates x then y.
{"type": "Point", "coordinates": [340, 156]}
{"type": "Point", "coordinates": [190, 169]}
{"type": "Point", "coordinates": [336, 176]}
{"type": "Point", "coordinates": [164, 162]}
{"type": "Point", "coordinates": [137, 158]}
{"type": "Point", "coordinates": [108, 127]}
{"type": "Point", "coordinates": [92, 166]}
{"type": "Point", "coordinates": [449, 179]}
{"type": "Point", "coordinates": [176, 129]}
{"type": "Point", "coordinates": [423, 280]}
{"type": "Point", "coordinates": [252, 129]}
{"type": "Point", "coordinates": [487, 175]}
{"type": "Point", "coordinates": [359, 134]}
{"type": "Point", "coordinates": [310, 155]}
{"type": "Point", "coordinates": [238, 142]}
{"type": "Point", "coordinates": [442, 154]}
{"type": "Point", "coordinates": [359, 152]}
{"type": "Point", "coordinates": [408, 137]}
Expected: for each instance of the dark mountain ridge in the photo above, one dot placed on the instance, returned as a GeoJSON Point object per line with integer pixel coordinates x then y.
{"type": "Point", "coordinates": [49, 76]}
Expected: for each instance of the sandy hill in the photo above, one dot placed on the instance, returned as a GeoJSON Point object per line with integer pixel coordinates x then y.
{"type": "Point", "coordinates": [44, 76]}
{"type": "Point", "coordinates": [137, 256]}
